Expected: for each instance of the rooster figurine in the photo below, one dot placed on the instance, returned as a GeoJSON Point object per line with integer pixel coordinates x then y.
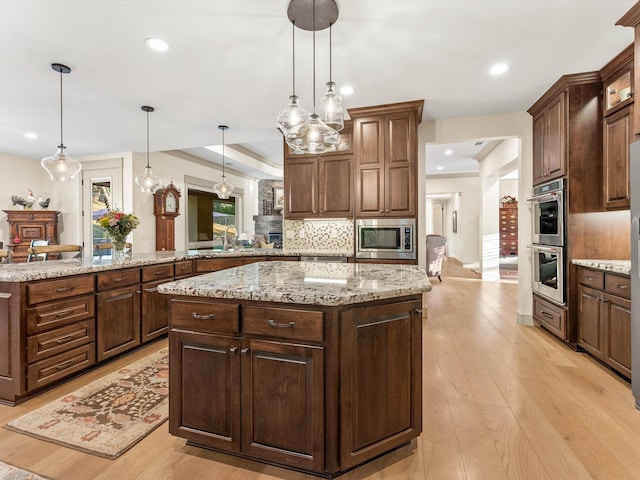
{"type": "Point", "coordinates": [26, 203]}
{"type": "Point", "coordinates": [43, 203]}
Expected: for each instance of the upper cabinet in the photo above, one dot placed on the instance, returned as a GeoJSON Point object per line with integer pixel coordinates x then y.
{"type": "Point", "coordinates": [618, 130]}
{"type": "Point", "coordinates": [632, 19]}
{"type": "Point", "coordinates": [567, 138]}
{"type": "Point", "coordinates": [385, 142]}
{"type": "Point", "coordinates": [320, 186]}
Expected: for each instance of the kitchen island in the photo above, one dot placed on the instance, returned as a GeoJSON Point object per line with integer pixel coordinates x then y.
{"type": "Point", "coordinates": [61, 317]}
{"type": "Point", "coordinates": [310, 366]}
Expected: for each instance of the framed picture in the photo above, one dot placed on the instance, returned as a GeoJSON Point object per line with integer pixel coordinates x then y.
{"type": "Point", "coordinates": [455, 221]}
{"type": "Point", "coordinates": [278, 198]}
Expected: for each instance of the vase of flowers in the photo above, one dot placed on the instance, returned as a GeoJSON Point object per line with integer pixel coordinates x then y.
{"type": "Point", "coordinates": [118, 225]}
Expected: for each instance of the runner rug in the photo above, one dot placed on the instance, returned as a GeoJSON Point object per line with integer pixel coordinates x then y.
{"type": "Point", "coordinates": [9, 472]}
{"type": "Point", "coordinates": [107, 416]}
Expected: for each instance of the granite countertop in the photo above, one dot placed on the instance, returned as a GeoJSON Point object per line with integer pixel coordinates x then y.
{"type": "Point", "coordinates": [615, 266]}
{"type": "Point", "coordinates": [24, 272]}
{"type": "Point", "coordinates": [312, 283]}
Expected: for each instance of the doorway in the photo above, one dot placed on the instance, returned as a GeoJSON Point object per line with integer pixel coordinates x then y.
{"type": "Point", "coordinates": [100, 188]}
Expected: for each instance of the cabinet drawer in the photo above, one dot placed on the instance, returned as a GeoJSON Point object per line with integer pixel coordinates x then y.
{"type": "Point", "coordinates": [53, 315]}
{"type": "Point", "coordinates": [551, 315]}
{"type": "Point", "coordinates": [59, 289]}
{"type": "Point", "coordinates": [591, 278]}
{"type": "Point", "coordinates": [618, 285]}
{"type": "Point", "coordinates": [55, 368]}
{"type": "Point", "coordinates": [204, 317]}
{"type": "Point", "coordinates": [118, 278]}
{"type": "Point", "coordinates": [283, 322]}
{"type": "Point", "coordinates": [204, 265]}
{"type": "Point", "coordinates": [47, 344]}
{"type": "Point", "coordinates": [183, 268]}
{"type": "Point", "coordinates": [157, 272]}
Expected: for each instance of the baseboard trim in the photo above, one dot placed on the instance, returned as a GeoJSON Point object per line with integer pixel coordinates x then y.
{"type": "Point", "coordinates": [525, 319]}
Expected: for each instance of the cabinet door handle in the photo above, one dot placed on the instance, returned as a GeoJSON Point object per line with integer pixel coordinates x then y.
{"type": "Point", "coordinates": [622, 287]}
{"type": "Point", "coordinates": [64, 313]}
{"type": "Point", "coordinates": [64, 339]}
{"type": "Point", "coordinates": [273, 323]}
{"type": "Point", "coordinates": [233, 350]}
{"type": "Point", "coordinates": [546, 314]}
{"type": "Point", "coordinates": [64, 289]}
{"type": "Point", "coordinates": [198, 316]}
{"type": "Point", "coordinates": [419, 311]}
{"type": "Point", "coordinates": [244, 352]}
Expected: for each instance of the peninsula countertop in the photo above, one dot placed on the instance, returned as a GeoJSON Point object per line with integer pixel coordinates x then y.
{"type": "Point", "coordinates": [622, 267]}
{"type": "Point", "coordinates": [311, 283]}
{"type": "Point", "coordinates": [24, 272]}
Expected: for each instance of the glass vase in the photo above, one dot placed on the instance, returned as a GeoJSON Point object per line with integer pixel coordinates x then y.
{"type": "Point", "coordinates": [118, 253]}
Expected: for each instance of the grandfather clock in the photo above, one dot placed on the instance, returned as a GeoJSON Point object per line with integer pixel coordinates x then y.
{"type": "Point", "coordinates": [166, 207]}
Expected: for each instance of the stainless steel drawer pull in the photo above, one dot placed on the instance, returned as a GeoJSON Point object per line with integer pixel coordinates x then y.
{"type": "Point", "coordinates": [64, 339]}
{"type": "Point", "coordinates": [119, 279]}
{"type": "Point", "coordinates": [151, 290]}
{"type": "Point", "coordinates": [119, 297]}
{"type": "Point", "coordinates": [197, 316]}
{"type": "Point", "coordinates": [273, 323]}
{"type": "Point", "coordinates": [233, 350]}
{"type": "Point", "coordinates": [546, 314]}
{"type": "Point", "coordinates": [419, 311]}
{"type": "Point", "coordinates": [622, 287]}
{"type": "Point", "coordinates": [158, 272]}
{"type": "Point", "coordinates": [589, 278]}
{"type": "Point", "coordinates": [244, 351]}
{"type": "Point", "coordinates": [64, 289]}
{"type": "Point", "coordinates": [64, 313]}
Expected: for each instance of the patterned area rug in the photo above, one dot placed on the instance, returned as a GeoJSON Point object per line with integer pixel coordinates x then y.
{"type": "Point", "coordinates": [510, 275]}
{"type": "Point", "coordinates": [9, 472]}
{"type": "Point", "coordinates": [107, 416]}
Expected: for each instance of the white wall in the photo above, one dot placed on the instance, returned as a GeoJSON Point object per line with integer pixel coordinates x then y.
{"type": "Point", "coordinates": [509, 187]}
{"type": "Point", "coordinates": [503, 125]}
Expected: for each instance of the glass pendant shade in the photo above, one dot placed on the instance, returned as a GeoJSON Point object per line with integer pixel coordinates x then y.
{"type": "Point", "coordinates": [148, 182]}
{"type": "Point", "coordinates": [313, 136]}
{"type": "Point", "coordinates": [60, 166]}
{"type": "Point", "coordinates": [331, 111]}
{"type": "Point", "coordinates": [292, 116]}
{"type": "Point", "coordinates": [223, 189]}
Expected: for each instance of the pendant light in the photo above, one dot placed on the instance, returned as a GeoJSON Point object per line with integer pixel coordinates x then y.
{"type": "Point", "coordinates": [313, 136]}
{"type": "Point", "coordinates": [294, 114]}
{"type": "Point", "coordinates": [60, 166]}
{"type": "Point", "coordinates": [148, 182]}
{"type": "Point", "coordinates": [331, 104]}
{"type": "Point", "coordinates": [222, 188]}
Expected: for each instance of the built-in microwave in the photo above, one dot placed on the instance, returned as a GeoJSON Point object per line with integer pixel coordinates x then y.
{"type": "Point", "coordinates": [386, 238]}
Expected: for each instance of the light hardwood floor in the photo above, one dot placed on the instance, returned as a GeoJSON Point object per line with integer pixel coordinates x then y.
{"type": "Point", "coordinates": [501, 401]}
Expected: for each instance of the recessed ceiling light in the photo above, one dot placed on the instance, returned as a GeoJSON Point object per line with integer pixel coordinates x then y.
{"type": "Point", "coordinates": [448, 152]}
{"type": "Point", "coordinates": [156, 44]}
{"type": "Point", "coordinates": [440, 167]}
{"type": "Point", "coordinates": [499, 69]}
{"type": "Point", "coordinates": [346, 90]}
{"type": "Point", "coordinates": [30, 135]}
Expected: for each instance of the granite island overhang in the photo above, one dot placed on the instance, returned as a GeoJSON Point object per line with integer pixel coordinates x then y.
{"type": "Point", "coordinates": [311, 366]}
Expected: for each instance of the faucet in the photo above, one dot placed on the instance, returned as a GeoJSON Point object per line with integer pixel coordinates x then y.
{"type": "Point", "coordinates": [225, 243]}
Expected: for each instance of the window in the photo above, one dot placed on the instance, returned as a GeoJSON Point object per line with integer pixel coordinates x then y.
{"type": "Point", "coordinates": [210, 218]}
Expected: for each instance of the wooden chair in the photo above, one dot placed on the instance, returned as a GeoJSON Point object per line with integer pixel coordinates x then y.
{"type": "Point", "coordinates": [5, 255]}
{"type": "Point", "coordinates": [46, 249]}
{"type": "Point", "coordinates": [105, 248]}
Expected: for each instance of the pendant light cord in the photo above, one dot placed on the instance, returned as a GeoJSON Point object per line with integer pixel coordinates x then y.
{"type": "Point", "coordinates": [330, 54]}
{"type": "Point", "coordinates": [147, 138]}
{"type": "Point", "coordinates": [293, 74]}
{"type": "Point", "coordinates": [223, 153]}
{"type": "Point", "coordinates": [61, 142]}
{"type": "Point", "coordinates": [314, 57]}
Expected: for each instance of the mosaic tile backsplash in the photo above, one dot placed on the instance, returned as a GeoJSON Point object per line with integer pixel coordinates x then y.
{"type": "Point", "coordinates": [320, 235]}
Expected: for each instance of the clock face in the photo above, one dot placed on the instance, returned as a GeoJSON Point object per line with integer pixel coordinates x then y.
{"type": "Point", "coordinates": [171, 203]}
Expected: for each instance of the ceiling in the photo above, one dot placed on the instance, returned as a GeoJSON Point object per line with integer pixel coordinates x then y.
{"type": "Point", "coordinates": [229, 62]}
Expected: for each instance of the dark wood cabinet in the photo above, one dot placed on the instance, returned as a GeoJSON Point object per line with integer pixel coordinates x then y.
{"type": "Point", "coordinates": [386, 152]}
{"type": "Point", "coordinates": [318, 187]}
{"type": "Point", "coordinates": [604, 318]}
{"type": "Point", "coordinates": [155, 306]}
{"type": "Point", "coordinates": [118, 312]}
{"type": "Point", "coordinates": [320, 389]}
{"type": "Point", "coordinates": [27, 225]}
{"type": "Point", "coordinates": [618, 136]}
{"type": "Point", "coordinates": [549, 127]}
{"type": "Point", "coordinates": [551, 316]}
